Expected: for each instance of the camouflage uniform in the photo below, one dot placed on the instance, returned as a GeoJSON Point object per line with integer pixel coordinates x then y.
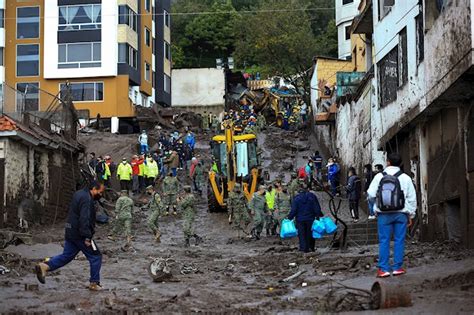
{"type": "Point", "coordinates": [205, 122]}
{"type": "Point", "coordinates": [237, 205]}
{"type": "Point", "coordinates": [198, 177]}
{"type": "Point", "coordinates": [293, 188]}
{"type": "Point", "coordinates": [170, 190]}
{"type": "Point", "coordinates": [188, 207]}
{"type": "Point", "coordinates": [283, 205]}
{"type": "Point", "coordinates": [261, 122]}
{"type": "Point", "coordinates": [258, 205]}
{"type": "Point", "coordinates": [156, 210]}
{"type": "Point", "coordinates": [123, 208]}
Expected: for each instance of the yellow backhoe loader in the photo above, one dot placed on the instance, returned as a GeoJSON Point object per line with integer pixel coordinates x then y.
{"type": "Point", "coordinates": [235, 159]}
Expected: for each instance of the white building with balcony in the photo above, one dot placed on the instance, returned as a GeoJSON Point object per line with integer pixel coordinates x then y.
{"type": "Point", "coordinates": [346, 10]}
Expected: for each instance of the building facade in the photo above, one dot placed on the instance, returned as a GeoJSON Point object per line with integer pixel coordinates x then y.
{"type": "Point", "coordinates": [416, 98]}
{"type": "Point", "coordinates": [109, 54]}
{"type": "Point", "coordinates": [346, 10]}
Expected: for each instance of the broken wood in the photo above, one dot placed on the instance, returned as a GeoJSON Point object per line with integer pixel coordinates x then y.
{"type": "Point", "coordinates": [292, 277]}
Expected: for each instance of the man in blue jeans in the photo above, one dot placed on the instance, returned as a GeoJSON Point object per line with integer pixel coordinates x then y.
{"type": "Point", "coordinates": [78, 237]}
{"type": "Point", "coordinates": [392, 222]}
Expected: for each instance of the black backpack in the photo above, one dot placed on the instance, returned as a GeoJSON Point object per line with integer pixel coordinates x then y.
{"type": "Point", "coordinates": [390, 196]}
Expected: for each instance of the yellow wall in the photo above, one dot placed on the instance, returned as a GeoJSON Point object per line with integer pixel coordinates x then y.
{"type": "Point", "coordinates": [133, 4]}
{"type": "Point", "coordinates": [359, 61]}
{"type": "Point", "coordinates": [327, 69]}
{"type": "Point", "coordinates": [146, 52]}
{"type": "Point", "coordinates": [116, 101]}
{"type": "Point", "coordinates": [126, 35]}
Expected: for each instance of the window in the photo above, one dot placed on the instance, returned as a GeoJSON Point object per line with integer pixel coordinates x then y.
{"type": "Point", "coordinates": [27, 60]}
{"type": "Point", "coordinates": [84, 92]}
{"type": "Point", "coordinates": [128, 55]}
{"type": "Point", "coordinates": [420, 38]}
{"type": "Point", "coordinates": [153, 79]}
{"type": "Point", "coordinates": [27, 22]}
{"type": "Point", "coordinates": [2, 56]}
{"type": "Point", "coordinates": [128, 16]}
{"type": "Point", "coordinates": [348, 32]}
{"type": "Point", "coordinates": [388, 77]}
{"type": "Point", "coordinates": [385, 6]}
{"type": "Point", "coordinates": [79, 55]}
{"type": "Point", "coordinates": [402, 58]}
{"type": "Point", "coordinates": [167, 84]}
{"type": "Point", "coordinates": [147, 72]}
{"type": "Point", "coordinates": [147, 5]}
{"type": "Point", "coordinates": [166, 17]}
{"type": "Point", "coordinates": [347, 1]}
{"type": "Point", "coordinates": [147, 37]}
{"type": "Point", "coordinates": [167, 51]}
{"type": "Point", "coordinates": [28, 98]}
{"type": "Point", "coordinates": [2, 18]}
{"type": "Point", "coordinates": [79, 17]}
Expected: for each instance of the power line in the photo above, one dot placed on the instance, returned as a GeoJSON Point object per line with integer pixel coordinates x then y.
{"type": "Point", "coordinates": [202, 13]}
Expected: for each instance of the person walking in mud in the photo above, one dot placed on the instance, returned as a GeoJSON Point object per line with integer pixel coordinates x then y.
{"type": "Point", "coordinates": [123, 219]}
{"type": "Point", "coordinates": [282, 204]}
{"type": "Point", "coordinates": [258, 208]}
{"type": "Point", "coordinates": [238, 209]}
{"type": "Point", "coordinates": [155, 206]}
{"type": "Point", "coordinates": [293, 186]}
{"type": "Point", "coordinates": [187, 203]}
{"type": "Point", "coordinates": [80, 228]}
{"type": "Point", "coordinates": [170, 190]}
{"type": "Point", "coordinates": [270, 222]}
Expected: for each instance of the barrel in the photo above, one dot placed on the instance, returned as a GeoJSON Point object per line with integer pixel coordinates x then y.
{"type": "Point", "coordinates": [389, 295]}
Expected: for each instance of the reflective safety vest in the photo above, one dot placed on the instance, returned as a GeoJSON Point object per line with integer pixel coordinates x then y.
{"type": "Point", "coordinates": [124, 171]}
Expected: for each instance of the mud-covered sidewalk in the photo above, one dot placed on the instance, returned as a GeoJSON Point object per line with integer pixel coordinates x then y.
{"type": "Point", "coordinates": [225, 274]}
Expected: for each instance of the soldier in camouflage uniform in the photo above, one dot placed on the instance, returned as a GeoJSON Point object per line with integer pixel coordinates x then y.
{"type": "Point", "coordinates": [237, 205]}
{"type": "Point", "coordinates": [187, 203]}
{"type": "Point", "coordinates": [170, 190]}
{"type": "Point", "coordinates": [293, 186]}
{"type": "Point", "coordinates": [198, 178]}
{"type": "Point", "coordinates": [123, 222]}
{"type": "Point", "coordinates": [282, 204]}
{"type": "Point", "coordinates": [155, 206]}
{"type": "Point", "coordinates": [258, 207]}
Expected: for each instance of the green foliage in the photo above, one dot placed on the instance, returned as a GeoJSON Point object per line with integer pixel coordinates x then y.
{"type": "Point", "coordinates": [277, 43]}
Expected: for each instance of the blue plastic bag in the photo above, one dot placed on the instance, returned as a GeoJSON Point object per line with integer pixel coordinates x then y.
{"type": "Point", "coordinates": [316, 235]}
{"type": "Point", "coordinates": [318, 227]}
{"type": "Point", "coordinates": [288, 229]}
{"type": "Point", "coordinates": [329, 225]}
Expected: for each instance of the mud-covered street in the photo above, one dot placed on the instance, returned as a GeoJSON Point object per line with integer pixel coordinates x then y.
{"type": "Point", "coordinates": [226, 274]}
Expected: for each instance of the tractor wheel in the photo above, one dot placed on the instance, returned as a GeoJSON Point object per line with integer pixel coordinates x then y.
{"type": "Point", "coordinates": [213, 205]}
{"type": "Point", "coordinates": [279, 121]}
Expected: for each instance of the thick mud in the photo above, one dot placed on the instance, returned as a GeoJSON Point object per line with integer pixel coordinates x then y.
{"type": "Point", "coordinates": [224, 273]}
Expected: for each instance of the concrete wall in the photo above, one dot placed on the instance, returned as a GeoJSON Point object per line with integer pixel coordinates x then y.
{"type": "Point", "coordinates": [198, 87]}
{"type": "Point", "coordinates": [38, 184]}
{"type": "Point", "coordinates": [451, 32]}
{"type": "Point", "coordinates": [386, 36]}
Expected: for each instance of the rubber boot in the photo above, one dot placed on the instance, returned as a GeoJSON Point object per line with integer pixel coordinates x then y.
{"type": "Point", "coordinates": [274, 231]}
{"type": "Point", "coordinates": [268, 232]}
{"type": "Point", "coordinates": [198, 239]}
{"type": "Point", "coordinates": [257, 236]}
{"type": "Point", "coordinates": [167, 211]}
{"type": "Point", "coordinates": [186, 242]}
{"type": "Point", "coordinates": [174, 211]}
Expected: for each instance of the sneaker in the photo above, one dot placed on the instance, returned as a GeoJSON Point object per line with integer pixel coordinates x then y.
{"type": "Point", "coordinates": [94, 286]}
{"type": "Point", "coordinates": [111, 237]}
{"type": "Point", "coordinates": [356, 220]}
{"type": "Point", "coordinates": [382, 274]}
{"type": "Point", "coordinates": [371, 217]}
{"type": "Point", "coordinates": [40, 270]}
{"type": "Point", "coordinates": [175, 213]}
{"type": "Point", "coordinates": [399, 272]}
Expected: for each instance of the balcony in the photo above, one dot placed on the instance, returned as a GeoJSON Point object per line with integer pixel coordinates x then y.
{"type": "Point", "coordinates": [364, 22]}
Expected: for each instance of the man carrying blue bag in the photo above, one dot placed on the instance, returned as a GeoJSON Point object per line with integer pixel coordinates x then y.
{"type": "Point", "coordinates": [305, 208]}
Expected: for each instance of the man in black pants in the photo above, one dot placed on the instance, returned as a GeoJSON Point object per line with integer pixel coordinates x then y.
{"type": "Point", "coordinates": [305, 208]}
{"type": "Point", "coordinates": [354, 190]}
{"type": "Point", "coordinates": [79, 236]}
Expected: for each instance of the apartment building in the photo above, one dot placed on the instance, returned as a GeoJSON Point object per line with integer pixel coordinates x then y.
{"type": "Point", "coordinates": [112, 55]}
{"type": "Point", "coordinates": [346, 10]}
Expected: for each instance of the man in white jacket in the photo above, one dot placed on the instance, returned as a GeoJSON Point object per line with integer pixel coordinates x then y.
{"type": "Point", "coordinates": [392, 221]}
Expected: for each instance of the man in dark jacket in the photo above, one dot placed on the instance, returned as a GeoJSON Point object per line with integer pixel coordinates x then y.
{"type": "Point", "coordinates": [354, 187]}
{"type": "Point", "coordinates": [305, 208]}
{"type": "Point", "coordinates": [78, 237]}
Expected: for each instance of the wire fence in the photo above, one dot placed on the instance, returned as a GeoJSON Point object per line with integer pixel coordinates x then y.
{"type": "Point", "coordinates": [28, 102]}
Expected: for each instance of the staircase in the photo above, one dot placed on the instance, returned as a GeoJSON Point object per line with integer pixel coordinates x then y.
{"type": "Point", "coordinates": [362, 233]}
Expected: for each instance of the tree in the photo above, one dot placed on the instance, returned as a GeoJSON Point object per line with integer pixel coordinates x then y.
{"type": "Point", "coordinates": [282, 41]}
